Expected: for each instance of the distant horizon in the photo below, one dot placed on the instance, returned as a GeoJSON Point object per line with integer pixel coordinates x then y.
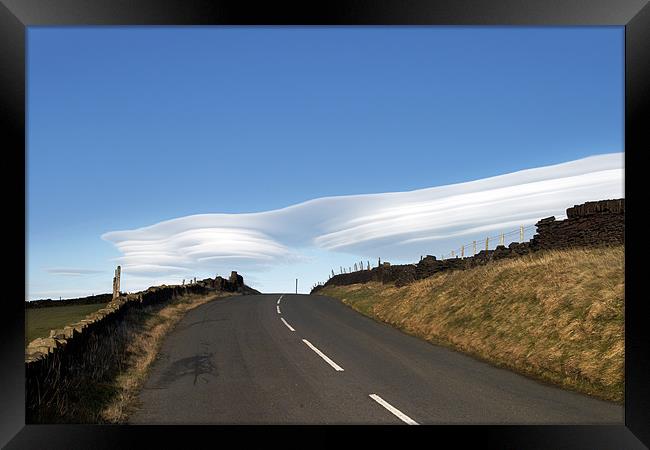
{"type": "Point", "coordinates": [194, 151]}
{"type": "Point", "coordinates": [602, 166]}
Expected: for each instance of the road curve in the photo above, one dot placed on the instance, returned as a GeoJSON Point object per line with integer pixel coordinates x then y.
{"type": "Point", "coordinates": [309, 359]}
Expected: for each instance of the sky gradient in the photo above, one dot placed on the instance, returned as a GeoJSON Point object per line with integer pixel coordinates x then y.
{"type": "Point", "coordinates": [132, 126]}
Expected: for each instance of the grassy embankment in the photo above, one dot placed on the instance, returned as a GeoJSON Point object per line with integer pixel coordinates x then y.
{"type": "Point", "coordinates": [39, 321]}
{"type": "Point", "coordinates": [556, 316]}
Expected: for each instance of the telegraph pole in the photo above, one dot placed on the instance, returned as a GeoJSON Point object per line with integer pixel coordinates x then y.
{"type": "Point", "coordinates": [296, 285]}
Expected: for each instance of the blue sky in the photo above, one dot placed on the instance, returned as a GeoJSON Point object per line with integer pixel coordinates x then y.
{"type": "Point", "coordinates": [132, 126]}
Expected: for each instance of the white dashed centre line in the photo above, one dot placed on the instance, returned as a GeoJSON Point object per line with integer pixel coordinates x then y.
{"type": "Point", "coordinates": [278, 308]}
{"type": "Point", "coordinates": [288, 326]}
{"type": "Point", "coordinates": [403, 417]}
{"type": "Point", "coordinates": [324, 356]}
{"type": "Point", "coordinates": [280, 298]}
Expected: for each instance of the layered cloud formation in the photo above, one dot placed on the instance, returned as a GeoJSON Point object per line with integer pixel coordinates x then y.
{"type": "Point", "coordinates": [395, 225]}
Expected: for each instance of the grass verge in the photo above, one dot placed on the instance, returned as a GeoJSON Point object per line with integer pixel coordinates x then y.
{"type": "Point", "coordinates": [557, 316]}
{"type": "Point", "coordinates": [100, 383]}
{"type": "Point", "coordinates": [148, 331]}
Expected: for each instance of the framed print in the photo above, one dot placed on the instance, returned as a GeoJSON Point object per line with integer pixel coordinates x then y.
{"type": "Point", "coordinates": [334, 216]}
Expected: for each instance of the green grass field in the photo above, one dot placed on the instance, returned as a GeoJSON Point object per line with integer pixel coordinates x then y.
{"type": "Point", "coordinates": [39, 321]}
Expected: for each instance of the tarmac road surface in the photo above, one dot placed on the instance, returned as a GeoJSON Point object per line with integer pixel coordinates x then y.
{"type": "Point", "coordinates": [309, 359]}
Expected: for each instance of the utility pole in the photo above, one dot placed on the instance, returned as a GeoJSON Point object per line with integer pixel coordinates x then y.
{"type": "Point", "coordinates": [296, 285]}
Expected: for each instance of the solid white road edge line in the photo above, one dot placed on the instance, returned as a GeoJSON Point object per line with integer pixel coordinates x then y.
{"type": "Point", "coordinates": [324, 356]}
{"type": "Point", "coordinates": [403, 417]}
{"type": "Point", "coordinates": [288, 326]}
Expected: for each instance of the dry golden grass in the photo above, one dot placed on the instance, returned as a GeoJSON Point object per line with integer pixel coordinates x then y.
{"type": "Point", "coordinates": [143, 345]}
{"type": "Point", "coordinates": [556, 316]}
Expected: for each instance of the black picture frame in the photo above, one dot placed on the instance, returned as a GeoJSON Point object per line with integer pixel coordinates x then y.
{"type": "Point", "coordinates": [634, 15]}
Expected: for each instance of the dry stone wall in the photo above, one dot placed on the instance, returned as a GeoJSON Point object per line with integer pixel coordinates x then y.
{"type": "Point", "coordinates": [590, 224]}
{"type": "Point", "coordinates": [81, 352]}
{"type": "Point", "coordinates": [587, 225]}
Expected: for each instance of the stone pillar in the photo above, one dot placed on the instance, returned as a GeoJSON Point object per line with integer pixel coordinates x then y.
{"type": "Point", "coordinates": [116, 282]}
{"type": "Point", "coordinates": [236, 279]}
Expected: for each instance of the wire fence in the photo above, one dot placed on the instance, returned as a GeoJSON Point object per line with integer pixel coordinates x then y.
{"type": "Point", "coordinates": [468, 249]}
{"type": "Point", "coordinates": [474, 247]}
{"type": "Point", "coordinates": [491, 242]}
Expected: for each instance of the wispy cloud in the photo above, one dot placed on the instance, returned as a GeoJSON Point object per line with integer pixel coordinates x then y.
{"type": "Point", "coordinates": [72, 272]}
{"type": "Point", "coordinates": [391, 224]}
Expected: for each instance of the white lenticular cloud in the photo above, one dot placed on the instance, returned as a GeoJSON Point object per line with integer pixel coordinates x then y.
{"type": "Point", "coordinates": [395, 224]}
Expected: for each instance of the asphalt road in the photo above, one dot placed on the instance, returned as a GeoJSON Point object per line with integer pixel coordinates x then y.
{"type": "Point", "coordinates": [237, 361]}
